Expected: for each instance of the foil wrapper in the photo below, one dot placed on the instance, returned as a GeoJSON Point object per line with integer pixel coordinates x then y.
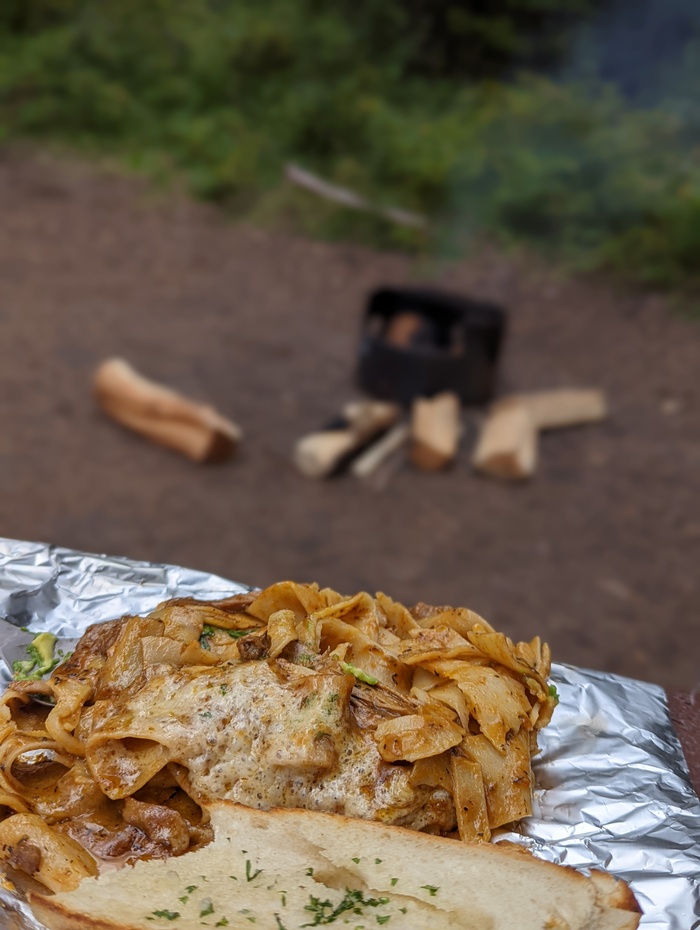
{"type": "Point", "coordinates": [613, 788]}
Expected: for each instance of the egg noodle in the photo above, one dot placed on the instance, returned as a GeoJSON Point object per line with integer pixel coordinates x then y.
{"type": "Point", "coordinates": [294, 696]}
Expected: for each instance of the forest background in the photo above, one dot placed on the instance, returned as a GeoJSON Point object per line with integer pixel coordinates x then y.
{"type": "Point", "coordinates": [570, 126]}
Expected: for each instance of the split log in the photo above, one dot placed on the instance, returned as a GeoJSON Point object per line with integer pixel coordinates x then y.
{"type": "Point", "coordinates": [507, 446]}
{"type": "Point", "coordinates": [162, 414]}
{"type": "Point", "coordinates": [372, 459]}
{"type": "Point", "coordinates": [562, 408]}
{"type": "Point", "coordinates": [435, 431]}
{"type": "Point", "coordinates": [324, 453]}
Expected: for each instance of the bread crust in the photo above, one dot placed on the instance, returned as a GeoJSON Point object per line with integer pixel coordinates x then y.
{"type": "Point", "coordinates": [58, 917]}
{"type": "Point", "coordinates": [615, 893]}
{"type": "Point", "coordinates": [341, 850]}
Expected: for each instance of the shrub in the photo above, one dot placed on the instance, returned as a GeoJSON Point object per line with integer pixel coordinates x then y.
{"type": "Point", "coordinates": [222, 93]}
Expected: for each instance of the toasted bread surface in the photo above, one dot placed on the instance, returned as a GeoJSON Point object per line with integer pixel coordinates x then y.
{"type": "Point", "coordinates": [286, 869]}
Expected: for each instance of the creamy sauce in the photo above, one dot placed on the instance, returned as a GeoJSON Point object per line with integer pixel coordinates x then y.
{"type": "Point", "coordinates": [245, 733]}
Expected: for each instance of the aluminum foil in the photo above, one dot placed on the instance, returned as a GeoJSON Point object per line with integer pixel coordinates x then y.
{"type": "Point", "coordinates": [613, 792]}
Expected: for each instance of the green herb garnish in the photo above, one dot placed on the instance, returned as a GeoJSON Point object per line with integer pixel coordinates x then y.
{"type": "Point", "coordinates": [359, 674]}
{"type": "Point", "coordinates": [207, 909]}
{"type": "Point", "coordinates": [208, 631]}
{"type": "Point", "coordinates": [324, 912]}
{"type": "Point", "coordinates": [249, 873]}
{"type": "Point", "coordinates": [431, 889]}
{"type": "Point", "coordinates": [167, 915]}
{"type": "Point", "coordinates": [553, 693]}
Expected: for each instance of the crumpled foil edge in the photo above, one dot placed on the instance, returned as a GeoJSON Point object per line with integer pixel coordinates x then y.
{"type": "Point", "coordinates": [613, 788]}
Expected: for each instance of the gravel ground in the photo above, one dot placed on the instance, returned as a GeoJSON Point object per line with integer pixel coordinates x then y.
{"type": "Point", "coordinates": [599, 554]}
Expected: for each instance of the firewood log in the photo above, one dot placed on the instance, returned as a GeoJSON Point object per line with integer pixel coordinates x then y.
{"type": "Point", "coordinates": [435, 431]}
{"type": "Point", "coordinates": [162, 414]}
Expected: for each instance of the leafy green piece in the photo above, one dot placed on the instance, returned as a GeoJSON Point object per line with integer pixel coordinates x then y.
{"type": "Point", "coordinates": [359, 674]}
{"type": "Point", "coordinates": [553, 693]}
{"type": "Point", "coordinates": [41, 658]}
{"type": "Point", "coordinates": [208, 631]}
{"type": "Point", "coordinates": [167, 915]}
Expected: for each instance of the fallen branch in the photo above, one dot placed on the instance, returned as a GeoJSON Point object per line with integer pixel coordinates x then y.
{"type": "Point", "coordinates": [347, 198]}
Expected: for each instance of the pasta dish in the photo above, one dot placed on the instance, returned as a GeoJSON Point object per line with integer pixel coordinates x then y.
{"type": "Point", "coordinates": [294, 696]}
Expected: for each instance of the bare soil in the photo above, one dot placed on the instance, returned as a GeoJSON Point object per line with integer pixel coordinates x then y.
{"type": "Point", "coordinates": [599, 554]}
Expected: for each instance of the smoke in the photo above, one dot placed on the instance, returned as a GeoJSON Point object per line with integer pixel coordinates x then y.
{"type": "Point", "coordinates": [598, 164]}
{"type": "Point", "coordinates": [647, 49]}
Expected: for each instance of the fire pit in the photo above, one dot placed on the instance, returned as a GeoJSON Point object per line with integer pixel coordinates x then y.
{"type": "Point", "coordinates": [418, 343]}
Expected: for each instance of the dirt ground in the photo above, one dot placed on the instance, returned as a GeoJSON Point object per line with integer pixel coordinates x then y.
{"type": "Point", "coordinates": [600, 553]}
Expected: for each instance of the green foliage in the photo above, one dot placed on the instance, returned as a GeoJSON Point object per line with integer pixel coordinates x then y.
{"type": "Point", "coordinates": [587, 180]}
{"type": "Point", "coordinates": [472, 38]}
{"type": "Point", "coordinates": [376, 95]}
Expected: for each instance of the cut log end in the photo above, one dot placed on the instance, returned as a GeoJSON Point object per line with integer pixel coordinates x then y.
{"type": "Point", "coordinates": [507, 446]}
{"type": "Point", "coordinates": [435, 431]}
